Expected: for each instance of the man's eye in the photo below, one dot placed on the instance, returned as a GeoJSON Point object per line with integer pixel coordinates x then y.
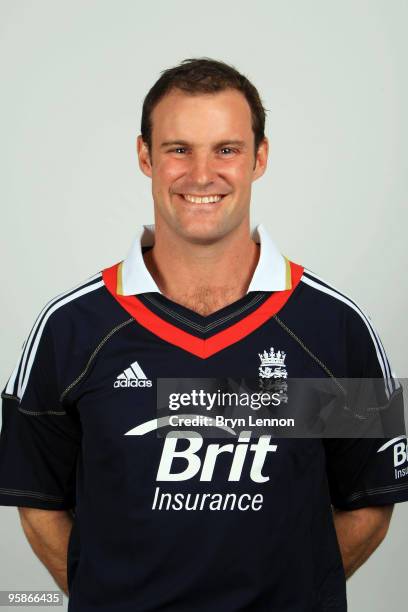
{"type": "Point", "coordinates": [183, 150]}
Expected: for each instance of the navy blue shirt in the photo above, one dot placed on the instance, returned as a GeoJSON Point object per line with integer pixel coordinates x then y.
{"type": "Point", "coordinates": [148, 533]}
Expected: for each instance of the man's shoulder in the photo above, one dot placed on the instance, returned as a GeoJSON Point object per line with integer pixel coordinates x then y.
{"type": "Point", "coordinates": [327, 315]}
{"type": "Point", "coordinates": [336, 328]}
{"type": "Point", "coordinates": [81, 313]}
{"type": "Point", "coordinates": [89, 292]}
{"type": "Point", "coordinates": [66, 331]}
{"type": "Point", "coordinates": [321, 299]}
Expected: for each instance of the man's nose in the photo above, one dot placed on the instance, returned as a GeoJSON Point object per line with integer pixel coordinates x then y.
{"type": "Point", "coordinates": [202, 170]}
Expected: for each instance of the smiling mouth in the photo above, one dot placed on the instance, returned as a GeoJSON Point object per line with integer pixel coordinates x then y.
{"type": "Point", "coordinates": [211, 199]}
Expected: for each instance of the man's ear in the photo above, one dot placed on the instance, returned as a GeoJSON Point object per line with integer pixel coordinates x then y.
{"type": "Point", "coordinates": [143, 154]}
{"type": "Point", "coordinates": [261, 158]}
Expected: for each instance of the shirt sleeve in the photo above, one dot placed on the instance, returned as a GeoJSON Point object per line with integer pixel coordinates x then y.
{"type": "Point", "coordinates": [369, 471]}
{"type": "Point", "coordinates": [40, 439]}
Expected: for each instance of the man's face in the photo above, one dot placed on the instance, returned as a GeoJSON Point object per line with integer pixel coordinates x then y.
{"type": "Point", "coordinates": [202, 146]}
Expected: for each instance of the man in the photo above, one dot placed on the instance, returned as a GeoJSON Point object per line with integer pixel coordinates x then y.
{"type": "Point", "coordinates": [153, 522]}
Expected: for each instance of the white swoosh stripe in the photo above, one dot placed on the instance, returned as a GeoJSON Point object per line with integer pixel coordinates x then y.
{"type": "Point", "coordinates": [149, 426]}
{"type": "Point", "coordinates": [369, 324]}
{"type": "Point", "coordinates": [344, 299]}
{"type": "Point", "coordinates": [27, 344]}
{"type": "Point", "coordinates": [12, 379]}
{"type": "Point", "coordinates": [33, 350]}
{"type": "Point", "coordinates": [390, 443]}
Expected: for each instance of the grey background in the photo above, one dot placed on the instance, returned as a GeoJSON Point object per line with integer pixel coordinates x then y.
{"type": "Point", "coordinates": [333, 77]}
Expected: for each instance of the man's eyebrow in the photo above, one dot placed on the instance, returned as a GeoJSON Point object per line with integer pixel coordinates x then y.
{"type": "Point", "coordinates": [222, 143]}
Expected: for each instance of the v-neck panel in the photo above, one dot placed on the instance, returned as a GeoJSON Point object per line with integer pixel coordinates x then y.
{"type": "Point", "coordinates": [194, 320]}
{"type": "Point", "coordinates": [202, 348]}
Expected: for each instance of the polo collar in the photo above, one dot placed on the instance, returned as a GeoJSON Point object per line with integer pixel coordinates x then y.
{"type": "Point", "coordinates": [271, 274]}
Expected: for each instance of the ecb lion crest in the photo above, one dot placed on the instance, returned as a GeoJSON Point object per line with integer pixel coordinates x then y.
{"type": "Point", "coordinates": [272, 364]}
{"type": "Point", "coordinates": [273, 373]}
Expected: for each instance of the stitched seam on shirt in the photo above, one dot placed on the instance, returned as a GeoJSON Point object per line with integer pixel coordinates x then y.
{"type": "Point", "coordinates": [44, 496]}
{"type": "Point", "coordinates": [180, 318]}
{"type": "Point", "coordinates": [94, 354]}
{"type": "Point", "coordinates": [309, 352]}
{"type": "Point", "coordinates": [378, 491]}
{"type": "Point", "coordinates": [44, 412]}
{"type": "Point", "coordinates": [198, 326]}
{"type": "Point", "coordinates": [209, 326]}
{"type": "Point", "coordinates": [7, 396]}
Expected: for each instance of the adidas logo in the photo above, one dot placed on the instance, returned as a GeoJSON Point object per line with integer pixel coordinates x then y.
{"type": "Point", "coordinates": [133, 376]}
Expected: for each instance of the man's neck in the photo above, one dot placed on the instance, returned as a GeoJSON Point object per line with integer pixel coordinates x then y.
{"type": "Point", "coordinates": [203, 278]}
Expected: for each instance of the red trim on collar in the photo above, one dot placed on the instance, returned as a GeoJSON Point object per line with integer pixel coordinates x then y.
{"type": "Point", "coordinates": [188, 342]}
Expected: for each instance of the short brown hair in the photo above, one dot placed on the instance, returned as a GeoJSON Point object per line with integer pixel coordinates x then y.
{"type": "Point", "coordinates": [203, 75]}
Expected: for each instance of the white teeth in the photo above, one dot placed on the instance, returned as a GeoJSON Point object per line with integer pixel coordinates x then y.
{"type": "Point", "coordinates": [206, 200]}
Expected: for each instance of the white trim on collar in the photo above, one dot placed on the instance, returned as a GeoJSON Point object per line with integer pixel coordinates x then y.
{"type": "Point", "coordinates": [271, 274]}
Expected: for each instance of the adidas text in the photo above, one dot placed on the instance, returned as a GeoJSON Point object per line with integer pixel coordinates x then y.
{"type": "Point", "coordinates": [132, 383]}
